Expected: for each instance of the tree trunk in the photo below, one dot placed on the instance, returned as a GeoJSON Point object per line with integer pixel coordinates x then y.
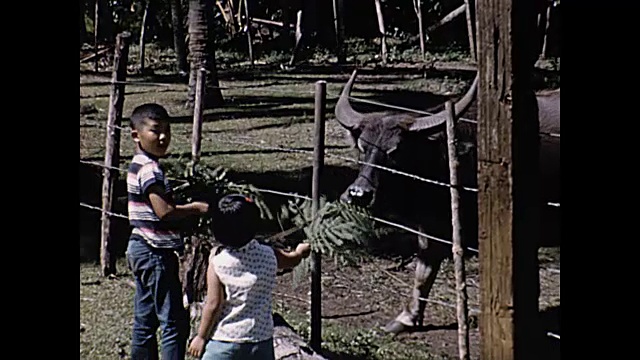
{"type": "Point", "coordinates": [338, 15]}
{"type": "Point", "coordinates": [143, 28]}
{"type": "Point", "coordinates": [202, 53]}
{"type": "Point", "coordinates": [107, 26]}
{"type": "Point", "coordinates": [178, 37]}
{"type": "Point", "coordinates": [543, 53]}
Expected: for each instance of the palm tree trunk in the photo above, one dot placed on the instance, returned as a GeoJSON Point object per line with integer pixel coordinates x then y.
{"type": "Point", "coordinates": [202, 52]}
{"type": "Point", "coordinates": [178, 36]}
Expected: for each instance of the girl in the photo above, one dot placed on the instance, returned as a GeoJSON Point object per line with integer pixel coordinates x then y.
{"type": "Point", "coordinates": [237, 318]}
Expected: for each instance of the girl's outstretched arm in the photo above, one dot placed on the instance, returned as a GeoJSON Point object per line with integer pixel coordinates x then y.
{"type": "Point", "coordinates": [289, 259]}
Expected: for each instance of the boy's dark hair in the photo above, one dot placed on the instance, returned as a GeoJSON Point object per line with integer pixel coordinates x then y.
{"type": "Point", "coordinates": [148, 111]}
{"type": "Point", "coordinates": [235, 220]}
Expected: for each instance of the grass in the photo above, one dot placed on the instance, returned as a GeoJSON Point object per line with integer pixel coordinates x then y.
{"type": "Point", "coordinates": [106, 314]}
{"type": "Point", "coordinates": [106, 317]}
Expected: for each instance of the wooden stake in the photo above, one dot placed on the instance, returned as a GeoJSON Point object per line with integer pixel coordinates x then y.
{"type": "Point", "coordinates": [417, 6]}
{"type": "Point", "coordinates": [383, 36]}
{"type": "Point", "coordinates": [196, 135]}
{"type": "Point", "coordinates": [96, 21]}
{"type": "Point", "coordinates": [457, 249]}
{"type": "Point", "coordinates": [318, 164]}
{"type": "Point", "coordinates": [112, 148]}
{"type": "Point", "coordinates": [472, 42]}
{"type": "Point", "coordinates": [143, 27]}
{"type": "Point", "coordinates": [249, 37]}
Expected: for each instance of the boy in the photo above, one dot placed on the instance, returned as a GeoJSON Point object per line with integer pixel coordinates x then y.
{"type": "Point", "coordinates": [154, 240]}
{"type": "Point", "coordinates": [237, 320]}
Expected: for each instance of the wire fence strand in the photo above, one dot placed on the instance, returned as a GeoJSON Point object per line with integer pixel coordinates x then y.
{"type": "Point", "coordinates": [327, 154]}
{"type": "Point", "coordinates": [104, 211]}
{"type": "Point", "coordinates": [102, 125]}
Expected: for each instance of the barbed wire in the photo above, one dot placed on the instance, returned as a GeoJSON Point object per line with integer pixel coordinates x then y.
{"type": "Point", "coordinates": [303, 151]}
{"type": "Point", "coordinates": [386, 222]}
{"type": "Point", "coordinates": [334, 96]}
{"type": "Point", "coordinates": [374, 218]}
{"type": "Point", "coordinates": [102, 125]}
{"type": "Point", "coordinates": [125, 170]}
{"type": "Point", "coordinates": [102, 165]}
{"type": "Point", "coordinates": [104, 211]}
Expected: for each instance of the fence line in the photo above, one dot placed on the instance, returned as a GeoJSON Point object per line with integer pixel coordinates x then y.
{"type": "Point", "coordinates": [474, 310]}
{"type": "Point", "coordinates": [121, 169]}
{"type": "Point", "coordinates": [394, 171]}
{"type": "Point", "coordinates": [417, 232]}
{"type": "Point", "coordinates": [267, 147]}
{"type": "Point", "coordinates": [333, 95]}
{"type": "Point", "coordinates": [386, 222]}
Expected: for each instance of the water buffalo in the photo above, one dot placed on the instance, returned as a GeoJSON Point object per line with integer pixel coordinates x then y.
{"type": "Point", "coordinates": [417, 145]}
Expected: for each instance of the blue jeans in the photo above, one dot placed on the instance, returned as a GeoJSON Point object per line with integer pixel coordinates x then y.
{"type": "Point", "coordinates": [157, 302]}
{"type": "Point", "coordinates": [223, 350]}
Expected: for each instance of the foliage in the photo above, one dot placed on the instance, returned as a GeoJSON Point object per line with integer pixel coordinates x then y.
{"type": "Point", "coordinates": [338, 230]}
{"type": "Point", "coordinates": [209, 184]}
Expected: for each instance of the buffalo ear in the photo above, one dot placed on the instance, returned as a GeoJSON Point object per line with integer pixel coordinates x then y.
{"type": "Point", "coordinates": [352, 137]}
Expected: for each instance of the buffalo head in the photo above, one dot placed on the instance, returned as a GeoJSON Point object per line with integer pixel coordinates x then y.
{"type": "Point", "coordinates": [382, 138]}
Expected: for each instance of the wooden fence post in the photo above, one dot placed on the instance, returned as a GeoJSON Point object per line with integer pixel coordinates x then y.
{"type": "Point", "coordinates": [417, 7]}
{"type": "Point", "coordinates": [318, 164]}
{"type": "Point", "coordinates": [383, 34]}
{"type": "Point", "coordinates": [508, 180]}
{"type": "Point", "coordinates": [143, 28]}
{"type": "Point", "coordinates": [196, 135]}
{"type": "Point", "coordinates": [248, 25]}
{"type": "Point", "coordinates": [472, 42]}
{"type": "Point", "coordinates": [96, 22]}
{"type": "Point", "coordinates": [112, 147]}
{"type": "Point", "coordinates": [457, 249]}
{"type": "Point", "coordinates": [338, 17]}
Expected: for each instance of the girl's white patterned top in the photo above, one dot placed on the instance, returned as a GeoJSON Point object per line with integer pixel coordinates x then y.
{"type": "Point", "coordinates": [248, 275]}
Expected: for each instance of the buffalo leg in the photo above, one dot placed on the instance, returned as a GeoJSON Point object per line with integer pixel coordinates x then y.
{"type": "Point", "coordinates": [428, 261]}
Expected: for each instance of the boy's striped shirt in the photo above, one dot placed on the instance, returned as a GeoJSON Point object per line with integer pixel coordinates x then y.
{"type": "Point", "coordinates": [144, 172]}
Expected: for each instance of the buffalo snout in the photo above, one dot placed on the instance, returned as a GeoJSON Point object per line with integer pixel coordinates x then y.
{"type": "Point", "coordinates": [357, 195]}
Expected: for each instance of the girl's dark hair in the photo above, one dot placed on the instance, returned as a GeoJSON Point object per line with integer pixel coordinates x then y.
{"type": "Point", "coordinates": [235, 219]}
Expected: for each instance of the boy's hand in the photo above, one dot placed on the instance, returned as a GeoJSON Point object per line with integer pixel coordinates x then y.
{"type": "Point", "coordinates": [196, 347]}
{"type": "Point", "coordinates": [202, 207]}
{"type": "Point", "coordinates": [304, 249]}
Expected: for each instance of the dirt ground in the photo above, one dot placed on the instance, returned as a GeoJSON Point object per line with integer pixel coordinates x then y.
{"type": "Point", "coordinates": [372, 294]}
